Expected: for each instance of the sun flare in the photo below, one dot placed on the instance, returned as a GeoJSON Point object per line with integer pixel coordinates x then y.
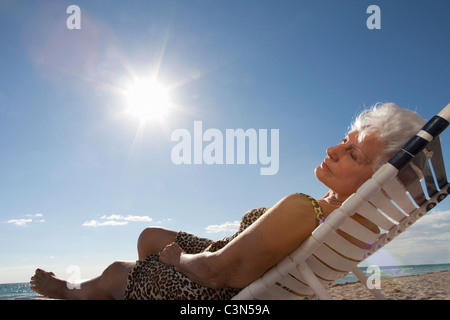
{"type": "Point", "coordinates": [147, 100]}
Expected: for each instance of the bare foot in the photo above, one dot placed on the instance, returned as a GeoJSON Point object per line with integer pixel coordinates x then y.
{"type": "Point", "coordinates": [47, 284]}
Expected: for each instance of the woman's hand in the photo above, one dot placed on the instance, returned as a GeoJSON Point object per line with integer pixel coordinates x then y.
{"type": "Point", "coordinates": [193, 266]}
{"type": "Point", "coordinates": [171, 254]}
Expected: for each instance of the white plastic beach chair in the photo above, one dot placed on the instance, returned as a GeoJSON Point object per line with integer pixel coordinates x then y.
{"type": "Point", "coordinates": [397, 195]}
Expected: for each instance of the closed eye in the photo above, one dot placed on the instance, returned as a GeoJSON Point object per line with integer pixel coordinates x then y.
{"type": "Point", "coordinates": [351, 149]}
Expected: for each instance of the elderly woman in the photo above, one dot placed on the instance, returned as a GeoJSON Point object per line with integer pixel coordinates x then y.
{"type": "Point", "coordinates": [177, 265]}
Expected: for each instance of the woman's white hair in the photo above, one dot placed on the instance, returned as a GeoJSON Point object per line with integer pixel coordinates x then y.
{"type": "Point", "coordinates": [394, 126]}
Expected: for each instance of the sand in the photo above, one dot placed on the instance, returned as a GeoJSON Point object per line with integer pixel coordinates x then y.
{"type": "Point", "coordinates": [429, 286]}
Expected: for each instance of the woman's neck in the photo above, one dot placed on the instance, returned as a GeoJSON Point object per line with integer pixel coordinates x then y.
{"type": "Point", "coordinates": [331, 201]}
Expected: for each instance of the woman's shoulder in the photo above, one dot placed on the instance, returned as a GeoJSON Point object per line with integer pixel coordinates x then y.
{"type": "Point", "coordinates": [305, 206]}
{"type": "Point", "coordinates": [315, 206]}
{"type": "Point", "coordinates": [302, 199]}
{"type": "Point", "coordinates": [298, 204]}
{"type": "Point", "coordinates": [299, 200]}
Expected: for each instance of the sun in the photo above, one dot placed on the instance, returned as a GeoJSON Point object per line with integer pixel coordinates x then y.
{"type": "Point", "coordinates": [147, 99]}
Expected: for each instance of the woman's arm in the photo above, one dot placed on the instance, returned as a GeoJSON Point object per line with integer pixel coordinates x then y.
{"type": "Point", "coordinates": [266, 242]}
{"type": "Point", "coordinates": [195, 266]}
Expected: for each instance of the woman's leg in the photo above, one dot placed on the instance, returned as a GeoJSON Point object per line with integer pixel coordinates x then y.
{"type": "Point", "coordinates": [154, 239]}
{"type": "Point", "coordinates": [112, 283]}
{"type": "Point", "coordinates": [109, 286]}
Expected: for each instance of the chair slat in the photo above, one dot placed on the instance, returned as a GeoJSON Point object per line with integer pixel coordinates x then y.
{"type": "Point", "coordinates": [397, 192]}
{"type": "Point", "coordinates": [411, 181]}
{"type": "Point", "coordinates": [295, 285]}
{"type": "Point", "coordinates": [333, 260]}
{"type": "Point", "coordinates": [266, 295]}
{"type": "Point", "coordinates": [438, 162]}
{"type": "Point", "coordinates": [380, 200]}
{"type": "Point", "coordinates": [430, 184]}
{"type": "Point", "coordinates": [371, 213]}
{"type": "Point", "coordinates": [345, 248]}
{"type": "Point", "coordinates": [283, 294]}
{"type": "Point", "coordinates": [322, 270]}
{"type": "Point", "coordinates": [356, 230]}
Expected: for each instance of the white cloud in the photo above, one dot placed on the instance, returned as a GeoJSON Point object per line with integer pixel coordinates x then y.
{"type": "Point", "coordinates": [425, 242]}
{"type": "Point", "coordinates": [95, 223]}
{"type": "Point", "coordinates": [20, 222]}
{"type": "Point", "coordinates": [164, 221]}
{"type": "Point", "coordinates": [115, 220]}
{"type": "Point", "coordinates": [127, 218]}
{"type": "Point", "coordinates": [111, 217]}
{"type": "Point", "coordinates": [138, 218]}
{"type": "Point", "coordinates": [30, 218]}
{"type": "Point", "coordinates": [224, 227]}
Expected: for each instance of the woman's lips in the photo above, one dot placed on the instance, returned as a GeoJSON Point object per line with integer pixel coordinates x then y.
{"type": "Point", "coordinates": [324, 166]}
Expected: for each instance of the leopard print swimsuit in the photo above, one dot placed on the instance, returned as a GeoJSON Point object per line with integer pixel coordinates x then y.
{"type": "Point", "coordinates": [151, 279]}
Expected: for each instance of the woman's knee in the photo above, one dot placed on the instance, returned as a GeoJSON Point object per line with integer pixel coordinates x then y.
{"type": "Point", "coordinates": [153, 239]}
{"type": "Point", "coordinates": [117, 268]}
{"type": "Point", "coordinates": [113, 280]}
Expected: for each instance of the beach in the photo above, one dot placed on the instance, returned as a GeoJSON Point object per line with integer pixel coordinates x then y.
{"type": "Point", "coordinates": [429, 286]}
{"type": "Point", "coordinates": [397, 283]}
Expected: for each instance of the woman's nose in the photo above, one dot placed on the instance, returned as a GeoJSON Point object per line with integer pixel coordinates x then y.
{"type": "Point", "coordinates": [333, 152]}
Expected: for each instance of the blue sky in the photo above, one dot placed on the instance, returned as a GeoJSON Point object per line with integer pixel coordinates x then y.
{"type": "Point", "coordinates": [80, 178]}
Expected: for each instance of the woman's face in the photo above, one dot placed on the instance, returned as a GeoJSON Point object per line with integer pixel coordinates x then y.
{"type": "Point", "coordinates": [349, 164]}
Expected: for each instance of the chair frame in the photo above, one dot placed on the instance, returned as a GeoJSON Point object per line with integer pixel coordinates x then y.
{"type": "Point", "coordinates": [397, 195]}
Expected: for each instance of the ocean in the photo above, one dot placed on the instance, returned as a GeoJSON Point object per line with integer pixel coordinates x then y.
{"type": "Point", "coordinates": [400, 271]}
{"type": "Point", "coordinates": [11, 291]}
